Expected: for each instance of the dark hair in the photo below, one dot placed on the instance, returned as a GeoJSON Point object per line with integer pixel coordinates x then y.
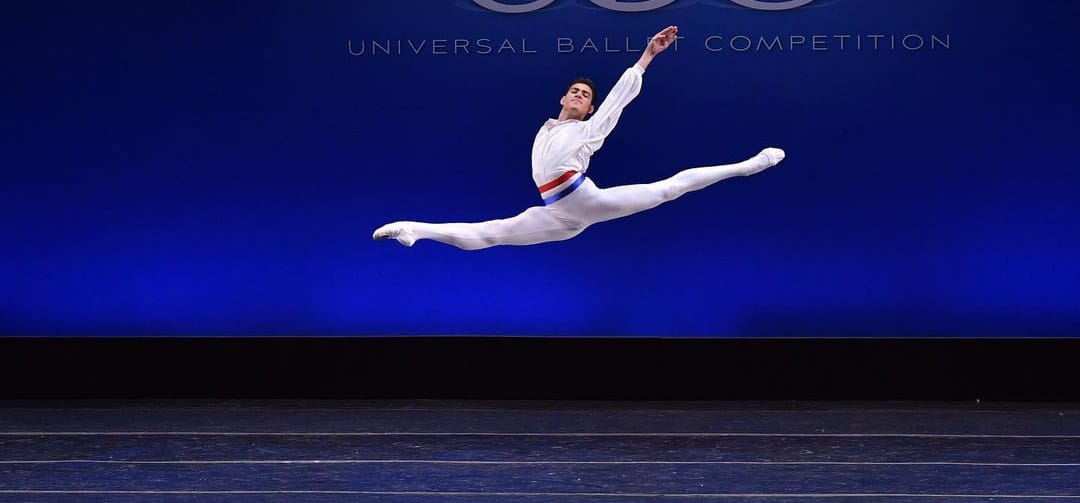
{"type": "Point", "coordinates": [588, 82]}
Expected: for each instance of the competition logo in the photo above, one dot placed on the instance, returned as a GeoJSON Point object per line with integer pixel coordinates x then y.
{"type": "Point", "coordinates": [626, 6]}
{"type": "Point", "coordinates": [762, 5]}
{"type": "Point", "coordinates": [714, 42]}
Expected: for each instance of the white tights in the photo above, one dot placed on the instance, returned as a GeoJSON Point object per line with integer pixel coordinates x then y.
{"type": "Point", "coordinates": [587, 205]}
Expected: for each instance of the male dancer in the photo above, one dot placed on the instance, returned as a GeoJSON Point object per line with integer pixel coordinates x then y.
{"type": "Point", "coordinates": [560, 157]}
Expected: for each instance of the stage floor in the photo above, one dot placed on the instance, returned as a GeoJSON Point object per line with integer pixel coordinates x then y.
{"type": "Point", "coordinates": [561, 452]}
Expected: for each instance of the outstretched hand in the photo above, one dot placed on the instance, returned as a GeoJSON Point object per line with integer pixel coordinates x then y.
{"type": "Point", "coordinates": [659, 43]}
{"type": "Point", "coordinates": [662, 40]}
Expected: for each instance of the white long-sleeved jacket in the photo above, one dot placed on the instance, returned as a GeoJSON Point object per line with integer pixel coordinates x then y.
{"type": "Point", "coordinates": [563, 146]}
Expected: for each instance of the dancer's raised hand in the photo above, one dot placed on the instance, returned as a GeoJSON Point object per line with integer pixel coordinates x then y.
{"type": "Point", "coordinates": [662, 40]}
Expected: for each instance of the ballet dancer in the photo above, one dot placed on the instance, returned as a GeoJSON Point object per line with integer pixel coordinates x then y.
{"type": "Point", "coordinates": [560, 157]}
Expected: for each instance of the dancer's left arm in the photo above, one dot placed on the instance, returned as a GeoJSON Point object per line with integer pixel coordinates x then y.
{"type": "Point", "coordinates": [659, 43]}
{"type": "Point", "coordinates": [625, 90]}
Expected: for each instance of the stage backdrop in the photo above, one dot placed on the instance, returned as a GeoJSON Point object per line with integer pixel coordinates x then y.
{"type": "Point", "coordinates": [206, 168]}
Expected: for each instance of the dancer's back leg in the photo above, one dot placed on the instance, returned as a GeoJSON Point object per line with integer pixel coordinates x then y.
{"type": "Point", "coordinates": [538, 224]}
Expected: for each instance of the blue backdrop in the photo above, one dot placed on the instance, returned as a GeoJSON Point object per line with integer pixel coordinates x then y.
{"type": "Point", "coordinates": [217, 168]}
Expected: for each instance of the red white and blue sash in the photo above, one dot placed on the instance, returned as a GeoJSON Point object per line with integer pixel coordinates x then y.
{"type": "Point", "coordinates": [560, 187]}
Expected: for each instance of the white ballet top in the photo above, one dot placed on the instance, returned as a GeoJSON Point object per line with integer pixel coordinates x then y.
{"type": "Point", "coordinates": [562, 146]}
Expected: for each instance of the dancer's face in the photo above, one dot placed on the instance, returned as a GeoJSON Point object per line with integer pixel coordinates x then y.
{"type": "Point", "coordinates": [577, 101]}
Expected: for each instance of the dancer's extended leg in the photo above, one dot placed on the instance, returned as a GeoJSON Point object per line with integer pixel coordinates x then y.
{"type": "Point", "coordinates": [616, 202]}
{"type": "Point", "coordinates": [538, 224]}
{"type": "Point", "coordinates": [567, 218]}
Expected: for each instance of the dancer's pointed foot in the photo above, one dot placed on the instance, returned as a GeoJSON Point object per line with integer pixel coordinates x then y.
{"type": "Point", "coordinates": [766, 159]}
{"type": "Point", "coordinates": [396, 230]}
{"type": "Point", "coordinates": [775, 155]}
